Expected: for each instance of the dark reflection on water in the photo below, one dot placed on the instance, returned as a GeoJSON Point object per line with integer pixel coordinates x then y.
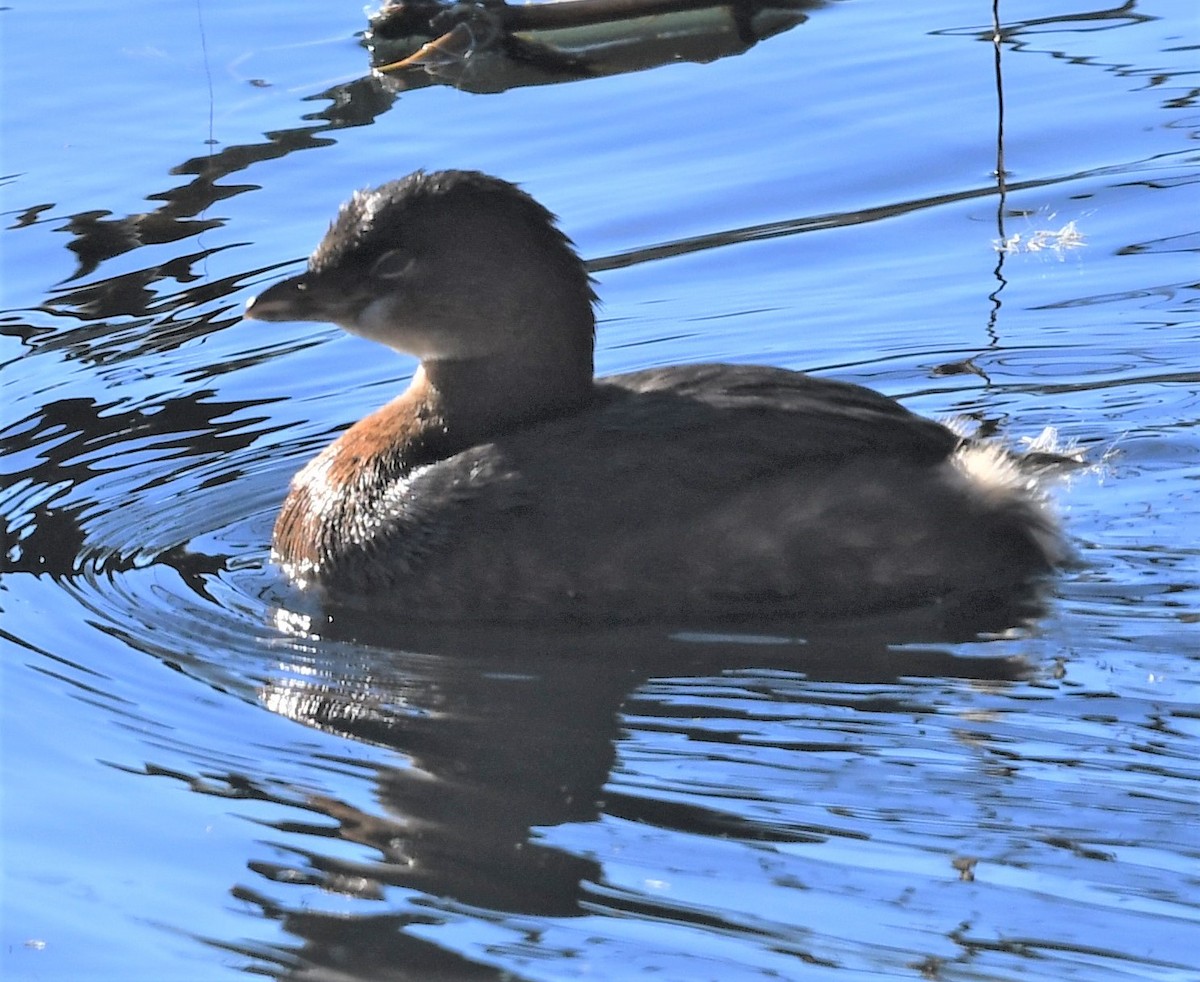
{"type": "Point", "coordinates": [68, 445]}
{"type": "Point", "coordinates": [504, 734]}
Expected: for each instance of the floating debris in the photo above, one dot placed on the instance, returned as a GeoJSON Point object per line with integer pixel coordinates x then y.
{"type": "Point", "coordinates": [1043, 240]}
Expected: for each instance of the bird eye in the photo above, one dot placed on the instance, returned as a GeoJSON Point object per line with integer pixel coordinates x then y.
{"type": "Point", "coordinates": [392, 264]}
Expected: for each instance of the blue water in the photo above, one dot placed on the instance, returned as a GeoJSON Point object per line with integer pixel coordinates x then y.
{"type": "Point", "coordinates": [205, 779]}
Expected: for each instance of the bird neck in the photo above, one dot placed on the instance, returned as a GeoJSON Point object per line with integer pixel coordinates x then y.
{"type": "Point", "coordinates": [477, 399]}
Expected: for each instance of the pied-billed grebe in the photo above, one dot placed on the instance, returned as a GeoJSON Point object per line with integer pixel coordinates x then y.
{"type": "Point", "coordinates": [507, 483]}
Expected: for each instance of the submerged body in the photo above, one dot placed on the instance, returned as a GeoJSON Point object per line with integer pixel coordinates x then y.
{"type": "Point", "coordinates": [508, 484]}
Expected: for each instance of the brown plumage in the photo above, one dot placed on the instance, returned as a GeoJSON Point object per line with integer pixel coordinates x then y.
{"type": "Point", "coordinates": [506, 484]}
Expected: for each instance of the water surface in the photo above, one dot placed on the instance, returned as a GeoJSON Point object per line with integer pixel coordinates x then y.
{"type": "Point", "coordinates": [204, 778]}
